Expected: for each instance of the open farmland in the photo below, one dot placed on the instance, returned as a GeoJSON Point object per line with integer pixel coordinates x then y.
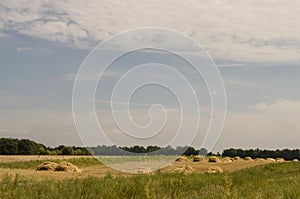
{"type": "Point", "coordinates": [240, 179]}
{"type": "Point", "coordinates": [25, 166]}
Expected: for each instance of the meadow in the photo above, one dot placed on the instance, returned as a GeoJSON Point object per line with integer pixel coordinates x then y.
{"type": "Point", "coordinates": [278, 180]}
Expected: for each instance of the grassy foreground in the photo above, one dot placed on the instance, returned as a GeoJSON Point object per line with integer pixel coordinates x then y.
{"type": "Point", "coordinates": [268, 181]}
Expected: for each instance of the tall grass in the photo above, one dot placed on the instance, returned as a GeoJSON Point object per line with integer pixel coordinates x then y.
{"type": "Point", "coordinates": [268, 181]}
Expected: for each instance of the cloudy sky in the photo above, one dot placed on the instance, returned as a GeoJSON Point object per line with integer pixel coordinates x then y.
{"type": "Point", "coordinates": [256, 46]}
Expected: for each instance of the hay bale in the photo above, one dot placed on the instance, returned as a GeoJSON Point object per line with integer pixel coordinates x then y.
{"type": "Point", "coordinates": [236, 158]}
{"type": "Point", "coordinates": [182, 159]}
{"type": "Point", "coordinates": [271, 160]}
{"type": "Point", "coordinates": [214, 169]}
{"type": "Point", "coordinates": [248, 159]}
{"type": "Point", "coordinates": [143, 170]}
{"type": "Point", "coordinates": [67, 166]}
{"type": "Point", "coordinates": [198, 158]}
{"type": "Point", "coordinates": [214, 159]}
{"type": "Point", "coordinates": [184, 169]}
{"type": "Point", "coordinates": [227, 160]}
{"type": "Point", "coordinates": [260, 159]}
{"type": "Point", "coordinates": [47, 166]}
{"type": "Point", "coordinates": [280, 160]}
{"type": "Point", "coordinates": [295, 160]}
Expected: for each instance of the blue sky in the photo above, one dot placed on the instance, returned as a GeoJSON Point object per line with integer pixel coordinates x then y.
{"type": "Point", "coordinates": [255, 46]}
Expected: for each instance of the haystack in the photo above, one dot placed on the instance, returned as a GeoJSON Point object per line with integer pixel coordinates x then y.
{"type": "Point", "coordinates": [227, 160]}
{"type": "Point", "coordinates": [182, 159]}
{"type": "Point", "coordinates": [237, 158]}
{"type": "Point", "coordinates": [280, 160]}
{"type": "Point", "coordinates": [47, 166]}
{"type": "Point", "coordinates": [295, 160]}
{"type": "Point", "coordinates": [52, 166]}
{"type": "Point", "coordinates": [214, 159]}
{"type": "Point", "coordinates": [198, 158]}
{"type": "Point", "coordinates": [270, 160]}
{"type": "Point", "coordinates": [184, 169]}
{"type": "Point", "coordinates": [67, 166]}
{"type": "Point", "coordinates": [214, 169]}
{"type": "Point", "coordinates": [260, 159]}
{"type": "Point", "coordinates": [248, 159]}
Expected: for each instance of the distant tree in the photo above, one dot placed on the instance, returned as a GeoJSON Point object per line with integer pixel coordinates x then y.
{"type": "Point", "coordinates": [191, 151]}
{"type": "Point", "coordinates": [8, 146]}
{"type": "Point", "coordinates": [67, 150]}
{"type": "Point", "coordinates": [27, 147]}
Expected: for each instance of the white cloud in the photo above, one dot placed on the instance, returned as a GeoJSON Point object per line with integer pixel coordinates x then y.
{"type": "Point", "coordinates": [265, 31]}
{"type": "Point", "coordinates": [23, 49]}
{"type": "Point", "coordinates": [279, 105]}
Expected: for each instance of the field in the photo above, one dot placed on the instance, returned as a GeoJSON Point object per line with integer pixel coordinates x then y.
{"type": "Point", "coordinates": [241, 179]}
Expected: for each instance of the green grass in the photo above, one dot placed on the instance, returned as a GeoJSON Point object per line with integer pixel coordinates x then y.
{"type": "Point", "coordinates": [280, 180]}
{"type": "Point", "coordinates": [32, 164]}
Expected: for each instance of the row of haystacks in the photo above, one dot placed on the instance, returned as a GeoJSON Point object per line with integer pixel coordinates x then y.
{"type": "Point", "coordinates": [216, 159]}
{"type": "Point", "coordinates": [62, 166]}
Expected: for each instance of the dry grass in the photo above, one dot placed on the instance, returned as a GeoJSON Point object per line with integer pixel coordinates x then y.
{"type": "Point", "coordinates": [101, 170]}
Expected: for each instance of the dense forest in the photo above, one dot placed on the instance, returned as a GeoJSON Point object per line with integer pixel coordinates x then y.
{"type": "Point", "coordinates": [10, 146]}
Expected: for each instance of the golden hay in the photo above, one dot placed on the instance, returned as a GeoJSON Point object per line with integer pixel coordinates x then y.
{"type": "Point", "coordinates": [214, 169]}
{"type": "Point", "coordinates": [198, 158]}
{"type": "Point", "coordinates": [214, 159]}
{"type": "Point", "coordinates": [182, 159]}
{"type": "Point", "coordinates": [52, 166]}
{"type": "Point", "coordinates": [270, 160]}
{"type": "Point", "coordinates": [184, 169]}
{"type": "Point", "coordinates": [47, 166]}
{"type": "Point", "coordinates": [67, 166]}
{"type": "Point", "coordinates": [237, 158]}
{"type": "Point", "coordinates": [248, 159]}
{"type": "Point", "coordinates": [260, 159]}
{"type": "Point", "coordinates": [227, 160]}
{"type": "Point", "coordinates": [280, 160]}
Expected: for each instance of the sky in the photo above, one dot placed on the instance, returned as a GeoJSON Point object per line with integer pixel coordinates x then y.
{"type": "Point", "coordinates": [255, 45]}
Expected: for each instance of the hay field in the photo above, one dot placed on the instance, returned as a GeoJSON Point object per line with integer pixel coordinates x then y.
{"type": "Point", "coordinates": [239, 179]}
{"type": "Point", "coordinates": [25, 166]}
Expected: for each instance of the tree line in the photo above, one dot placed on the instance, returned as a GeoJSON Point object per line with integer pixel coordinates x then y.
{"type": "Point", "coordinates": [287, 154]}
{"type": "Point", "coordinates": [10, 146]}
{"type": "Point", "coordinates": [149, 150]}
